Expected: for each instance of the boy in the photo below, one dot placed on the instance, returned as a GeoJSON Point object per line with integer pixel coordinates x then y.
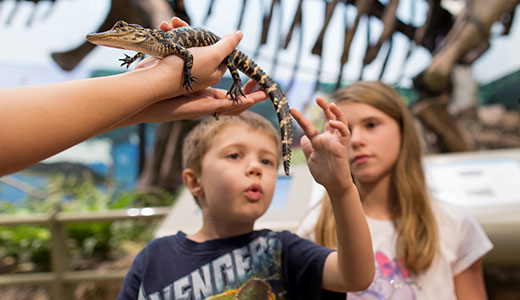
{"type": "Point", "coordinates": [230, 167]}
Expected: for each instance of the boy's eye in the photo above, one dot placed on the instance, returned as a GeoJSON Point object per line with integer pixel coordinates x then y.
{"type": "Point", "coordinates": [233, 156]}
{"type": "Point", "coordinates": [267, 162]}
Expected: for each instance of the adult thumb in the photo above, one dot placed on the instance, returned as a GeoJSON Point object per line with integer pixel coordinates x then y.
{"type": "Point", "coordinates": [228, 43]}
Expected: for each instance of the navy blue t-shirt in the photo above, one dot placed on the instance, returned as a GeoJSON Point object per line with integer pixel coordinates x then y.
{"type": "Point", "coordinates": [257, 265]}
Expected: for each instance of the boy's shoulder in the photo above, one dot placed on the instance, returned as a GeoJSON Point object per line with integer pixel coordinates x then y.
{"type": "Point", "coordinates": [180, 240]}
{"type": "Point", "coordinates": [161, 243]}
{"type": "Point", "coordinates": [180, 245]}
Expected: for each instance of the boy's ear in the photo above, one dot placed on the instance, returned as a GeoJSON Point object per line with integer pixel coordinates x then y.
{"type": "Point", "coordinates": [191, 181]}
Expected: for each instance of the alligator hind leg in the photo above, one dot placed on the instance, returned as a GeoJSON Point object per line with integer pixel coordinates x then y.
{"type": "Point", "coordinates": [129, 60]}
{"type": "Point", "coordinates": [236, 87]}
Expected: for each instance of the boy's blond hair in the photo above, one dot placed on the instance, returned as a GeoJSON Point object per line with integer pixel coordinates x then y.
{"type": "Point", "coordinates": [200, 138]}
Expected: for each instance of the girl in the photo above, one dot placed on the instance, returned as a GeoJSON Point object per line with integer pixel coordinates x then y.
{"type": "Point", "coordinates": [424, 249]}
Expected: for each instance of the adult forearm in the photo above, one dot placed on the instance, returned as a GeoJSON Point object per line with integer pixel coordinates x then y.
{"type": "Point", "coordinates": [354, 248]}
{"type": "Point", "coordinates": [39, 121]}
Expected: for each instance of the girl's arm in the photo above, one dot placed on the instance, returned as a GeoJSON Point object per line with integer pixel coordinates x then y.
{"type": "Point", "coordinates": [470, 283]}
{"type": "Point", "coordinates": [351, 267]}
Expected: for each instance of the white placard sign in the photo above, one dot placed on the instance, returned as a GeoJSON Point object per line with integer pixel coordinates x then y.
{"type": "Point", "coordinates": [475, 180]}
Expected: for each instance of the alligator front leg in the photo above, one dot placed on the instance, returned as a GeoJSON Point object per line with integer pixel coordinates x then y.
{"type": "Point", "coordinates": [129, 60]}
{"type": "Point", "coordinates": [188, 64]}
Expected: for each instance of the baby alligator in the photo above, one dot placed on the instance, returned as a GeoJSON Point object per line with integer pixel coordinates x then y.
{"type": "Point", "coordinates": [176, 41]}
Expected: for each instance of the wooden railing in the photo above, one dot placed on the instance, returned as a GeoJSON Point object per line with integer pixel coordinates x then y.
{"type": "Point", "coordinates": [61, 280]}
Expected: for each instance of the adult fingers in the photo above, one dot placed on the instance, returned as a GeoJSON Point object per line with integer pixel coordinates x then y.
{"type": "Point", "coordinates": [249, 86]}
{"type": "Point", "coordinates": [256, 96]}
{"type": "Point", "coordinates": [165, 26]}
{"type": "Point", "coordinates": [178, 22]}
{"type": "Point", "coordinates": [174, 23]}
{"type": "Point", "coordinates": [227, 44]}
{"type": "Point", "coordinates": [234, 108]}
{"type": "Point", "coordinates": [224, 106]}
{"type": "Point", "coordinates": [307, 127]}
{"type": "Point", "coordinates": [218, 73]}
{"type": "Point", "coordinates": [146, 62]}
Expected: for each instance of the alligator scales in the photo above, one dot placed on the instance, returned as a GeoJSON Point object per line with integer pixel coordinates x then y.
{"type": "Point", "coordinates": [176, 41]}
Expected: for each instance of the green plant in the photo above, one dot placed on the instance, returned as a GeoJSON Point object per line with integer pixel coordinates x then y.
{"type": "Point", "coordinates": [25, 246]}
{"type": "Point", "coordinates": [28, 246]}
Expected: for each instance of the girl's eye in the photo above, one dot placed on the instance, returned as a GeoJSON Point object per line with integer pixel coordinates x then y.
{"type": "Point", "coordinates": [371, 125]}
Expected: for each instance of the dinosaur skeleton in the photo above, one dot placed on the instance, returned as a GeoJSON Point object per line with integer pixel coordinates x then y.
{"type": "Point", "coordinates": [452, 40]}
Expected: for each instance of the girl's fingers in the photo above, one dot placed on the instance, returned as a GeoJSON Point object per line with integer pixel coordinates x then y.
{"type": "Point", "coordinates": [307, 127]}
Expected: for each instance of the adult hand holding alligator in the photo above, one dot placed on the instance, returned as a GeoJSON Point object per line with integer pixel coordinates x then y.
{"type": "Point", "coordinates": [202, 102]}
{"type": "Point", "coordinates": [37, 122]}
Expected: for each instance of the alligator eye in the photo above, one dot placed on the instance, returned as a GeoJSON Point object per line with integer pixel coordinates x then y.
{"type": "Point", "coordinates": [120, 24]}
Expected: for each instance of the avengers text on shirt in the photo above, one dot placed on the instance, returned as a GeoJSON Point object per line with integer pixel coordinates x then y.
{"type": "Point", "coordinates": [252, 269]}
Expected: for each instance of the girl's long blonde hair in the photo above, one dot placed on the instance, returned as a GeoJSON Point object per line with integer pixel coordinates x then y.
{"type": "Point", "coordinates": [417, 237]}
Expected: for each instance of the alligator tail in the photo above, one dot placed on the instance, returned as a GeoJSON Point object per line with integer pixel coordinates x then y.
{"type": "Point", "coordinates": [248, 67]}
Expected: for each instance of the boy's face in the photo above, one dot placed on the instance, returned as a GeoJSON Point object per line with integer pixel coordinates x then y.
{"type": "Point", "coordinates": [238, 176]}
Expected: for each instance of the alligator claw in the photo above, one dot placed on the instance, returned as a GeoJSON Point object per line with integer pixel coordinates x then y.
{"type": "Point", "coordinates": [126, 61]}
{"type": "Point", "coordinates": [235, 91]}
{"type": "Point", "coordinates": [188, 82]}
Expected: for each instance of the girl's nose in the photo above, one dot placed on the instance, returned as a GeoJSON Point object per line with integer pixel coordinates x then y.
{"type": "Point", "coordinates": [356, 138]}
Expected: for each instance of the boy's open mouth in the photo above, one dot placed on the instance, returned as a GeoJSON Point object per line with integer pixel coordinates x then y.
{"type": "Point", "coordinates": [254, 192]}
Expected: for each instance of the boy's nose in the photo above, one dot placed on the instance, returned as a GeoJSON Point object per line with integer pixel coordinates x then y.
{"type": "Point", "coordinates": [254, 169]}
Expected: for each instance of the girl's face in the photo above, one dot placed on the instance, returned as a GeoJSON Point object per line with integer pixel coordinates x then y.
{"type": "Point", "coordinates": [375, 141]}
